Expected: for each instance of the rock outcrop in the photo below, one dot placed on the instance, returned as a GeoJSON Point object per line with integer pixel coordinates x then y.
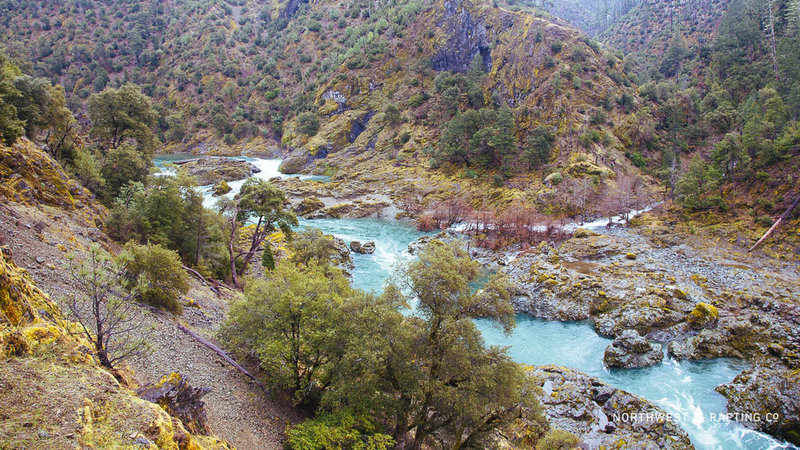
{"type": "Point", "coordinates": [767, 400]}
{"type": "Point", "coordinates": [366, 248]}
{"type": "Point", "coordinates": [29, 175]}
{"type": "Point", "coordinates": [179, 399]}
{"type": "Point", "coordinates": [629, 350]}
{"type": "Point", "coordinates": [602, 415]}
{"type": "Point", "coordinates": [209, 170]}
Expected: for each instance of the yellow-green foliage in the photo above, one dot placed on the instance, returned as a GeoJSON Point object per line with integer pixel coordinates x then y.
{"type": "Point", "coordinates": [29, 175]}
{"type": "Point", "coordinates": [703, 314]}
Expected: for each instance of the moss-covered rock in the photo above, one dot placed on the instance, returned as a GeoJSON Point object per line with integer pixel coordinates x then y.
{"type": "Point", "coordinates": [220, 188]}
{"type": "Point", "coordinates": [31, 176]}
{"type": "Point", "coordinates": [209, 171]}
{"type": "Point", "coordinates": [703, 315]}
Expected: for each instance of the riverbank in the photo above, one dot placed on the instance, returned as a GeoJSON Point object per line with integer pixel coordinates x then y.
{"type": "Point", "coordinates": [638, 279]}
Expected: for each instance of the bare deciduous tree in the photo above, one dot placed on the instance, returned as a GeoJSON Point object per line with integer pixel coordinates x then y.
{"type": "Point", "coordinates": [104, 309]}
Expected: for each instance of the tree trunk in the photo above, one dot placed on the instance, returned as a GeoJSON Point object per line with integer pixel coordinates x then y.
{"type": "Point", "coordinates": [771, 36]}
{"type": "Point", "coordinates": [775, 225]}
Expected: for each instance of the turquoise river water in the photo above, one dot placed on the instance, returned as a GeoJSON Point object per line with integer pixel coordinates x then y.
{"type": "Point", "coordinates": [685, 389]}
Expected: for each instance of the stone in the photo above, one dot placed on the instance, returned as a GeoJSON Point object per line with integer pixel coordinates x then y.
{"type": "Point", "coordinates": [220, 188]}
{"type": "Point", "coordinates": [631, 350]}
{"type": "Point", "coordinates": [39, 260]}
{"type": "Point", "coordinates": [309, 205]}
{"type": "Point", "coordinates": [363, 249]}
{"type": "Point", "coordinates": [569, 400]}
{"type": "Point", "coordinates": [703, 315]}
{"type": "Point", "coordinates": [761, 390]}
{"type": "Point", "coordinates": [581, 233]}
{"type": "Point", "coordinates": [179, 399]}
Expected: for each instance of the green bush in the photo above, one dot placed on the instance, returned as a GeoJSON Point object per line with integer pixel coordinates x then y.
{"type": "Point", "coordinates": [308, 124]}
{"type": "Point", "coordinates": [157, 276]}
{"type": "Point", "coordinates": [556, 46]}
{"type": "Point", "coordinates": [559, 440]}
{"type": "Point", "coordinates": [338, 430]}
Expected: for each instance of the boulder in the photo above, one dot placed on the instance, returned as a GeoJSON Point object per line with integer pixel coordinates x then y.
{"type": "Point", "coordinates": [220, 188]}
{"type": "Point", "coordinates": [703, 315]}
{"type": "Point", "coordinates": [766, 400]}
{"type": "Point", "coordinates": [631, 350]}
{"type": "Point", "coordinates": [209, 170]}
{"type": "Point", "coordinates": [363, 249]}
{"type": "Point", "coordinates": [179, 399]}
{"type": "Point", "coordinates": [602, 415]}
{"type": "Point", "coordinates": [309, 205]}
{"type": "Point", "coordinates": [293, 164]}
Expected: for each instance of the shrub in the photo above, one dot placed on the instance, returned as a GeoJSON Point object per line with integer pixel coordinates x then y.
{"type": "Point", "coordinates": [416, 100]}
{"type": "Point", "coordinates": [156, 275]}
{"type": "Point", "coordinates": [559, 440]}
{"type": "Point", "coordinates": [336, 430]}
{"type": "Point", "coordinates": [556, 46]}
{"type": "Point", "coordinates": [308, 124]}
{"type": "Point", "coordinates": [267, 259]}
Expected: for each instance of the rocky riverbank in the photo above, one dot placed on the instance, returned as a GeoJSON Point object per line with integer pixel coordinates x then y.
{"type": "Point", "coordinates": [602, 415]}
{"type": "Point", "coordinates": [700, 298]}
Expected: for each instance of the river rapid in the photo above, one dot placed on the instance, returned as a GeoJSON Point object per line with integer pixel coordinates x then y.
{"type": "Point", "coordinates": [684, 389]}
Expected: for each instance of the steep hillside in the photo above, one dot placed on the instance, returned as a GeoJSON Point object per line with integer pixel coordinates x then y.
{"type": "Point", "coordinates": [591, 16]}
{"type": "Point", "coordinates": [53, 392]}
{"type": "Point", "coordinates": [216, 69]}
{"type": "Point", "coordinates": [654, 27]}
{"type": "Point", "coordinates": [410, 106]}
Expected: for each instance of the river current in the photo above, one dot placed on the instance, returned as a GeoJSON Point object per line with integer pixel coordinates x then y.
{"type": "Point", "coordinates": [684, 389]}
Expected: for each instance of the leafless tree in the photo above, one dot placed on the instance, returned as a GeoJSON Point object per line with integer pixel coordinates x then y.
{"type": "Point", "coordinates": [105, 311]}
{"type": "Point", "coordinates": [451, 211]}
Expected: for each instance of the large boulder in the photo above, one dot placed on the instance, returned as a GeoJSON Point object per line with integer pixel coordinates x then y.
{"type": "Point", "coordinates": [367, 248]}
{"type": "Point", "coordinates": [209, 170]}
{"type": "Point", "coordinates": [309, 205]}
{"type": "Point", "coordinates": [631, 350]}
{"type": "Point", "coordinates": [220, 188]}
{"type": "Point", "coordinates": [602, 415]}
{"type": "Point", "coordinates": [766, 400]}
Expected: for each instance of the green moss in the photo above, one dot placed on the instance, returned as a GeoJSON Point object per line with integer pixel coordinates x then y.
{"type": "Point", "coordinates": [703, 314]}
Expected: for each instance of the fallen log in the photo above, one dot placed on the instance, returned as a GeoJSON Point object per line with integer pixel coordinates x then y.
{"type": "Point", "coordinates": [775, 225]}
{"type": "Point", "coordinates": [203, 280]}
{"type": "Point", "coordinates": [221, 353]}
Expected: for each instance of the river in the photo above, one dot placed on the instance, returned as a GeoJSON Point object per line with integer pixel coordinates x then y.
{"type": "Point", "coordinates": [685, 389]}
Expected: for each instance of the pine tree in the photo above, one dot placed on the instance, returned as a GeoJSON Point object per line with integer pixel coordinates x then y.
{"type": "Point", "coordinates": [267, 259]}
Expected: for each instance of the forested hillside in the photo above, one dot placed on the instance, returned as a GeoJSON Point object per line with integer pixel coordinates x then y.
{"type": "Point", "coordinates": [725, 86]}
{"type": "Point", "coordinates": [220, 70]}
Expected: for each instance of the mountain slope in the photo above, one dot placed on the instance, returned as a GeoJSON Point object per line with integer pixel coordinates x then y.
{"type": "Point", "coordinates": [544, 74]}
{"type": "Point", "coordinates": [54, 393]}
{"type": "Point", "coordinates": [647, 32]}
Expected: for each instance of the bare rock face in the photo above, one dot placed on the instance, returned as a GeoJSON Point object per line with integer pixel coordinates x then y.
{"type": "Point", "coordinates": [179, 399]}
{"type": "Point", "coordinates": [631, 350]}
